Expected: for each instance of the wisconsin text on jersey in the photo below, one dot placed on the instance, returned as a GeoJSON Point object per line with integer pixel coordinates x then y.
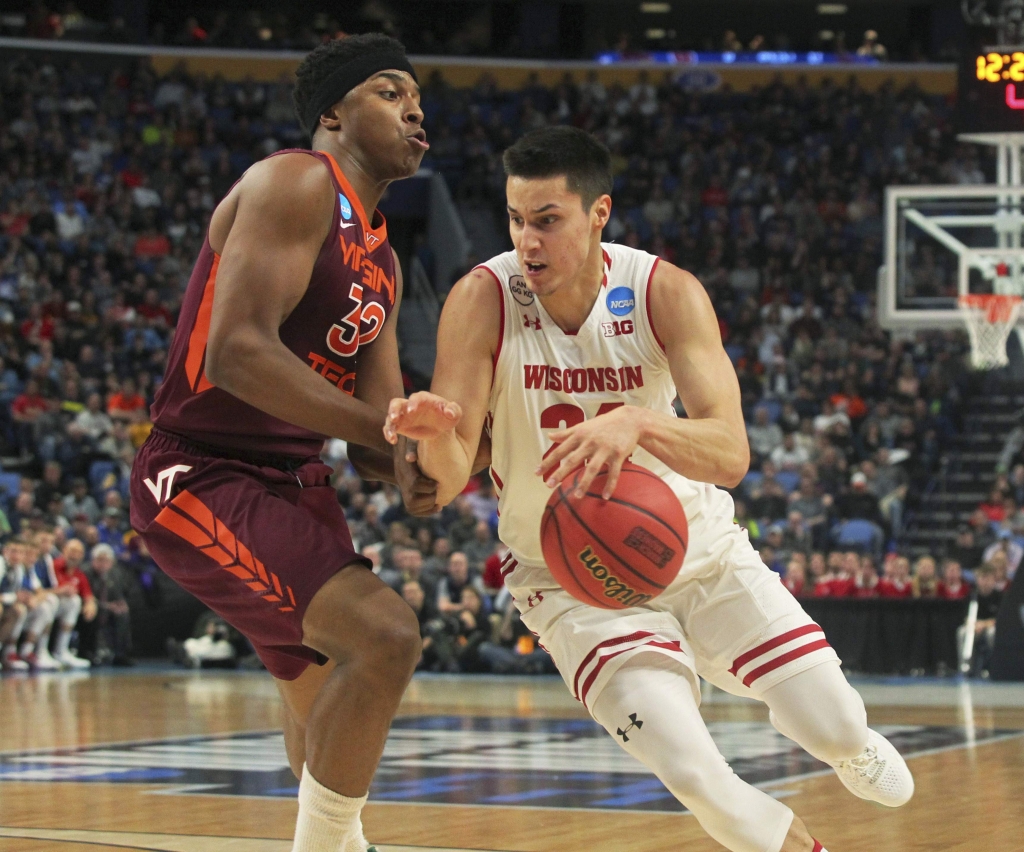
{"type": "Point", "coordinates": [589, 380]}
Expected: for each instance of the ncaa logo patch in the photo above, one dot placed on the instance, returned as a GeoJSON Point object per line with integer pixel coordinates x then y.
{"type": "Point", "coordinates": [345, 205]}
{"type": "Point", "coordinates": [520, 292]}
{"type": "Point", "coordinates": [621, 301]}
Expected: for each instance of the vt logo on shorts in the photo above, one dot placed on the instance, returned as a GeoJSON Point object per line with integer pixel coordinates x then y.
{"type": "Point", "coordinates": [161, 489]}
{"type": "Point", "coordinates": [633, 723]}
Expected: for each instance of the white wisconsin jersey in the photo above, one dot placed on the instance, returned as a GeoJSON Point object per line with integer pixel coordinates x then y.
{"type": "Point", "coordinates": [545, 380]}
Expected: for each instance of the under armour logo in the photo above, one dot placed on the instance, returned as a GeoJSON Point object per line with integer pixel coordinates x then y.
{"type": "Point", "coordinates": [161, 489]}
{"type": "Point", "coordinates": [533, 600]}
{"type": "Point", "coordinates": [527, 322]}
{"type": "Point", "coordinates": [633, 723]}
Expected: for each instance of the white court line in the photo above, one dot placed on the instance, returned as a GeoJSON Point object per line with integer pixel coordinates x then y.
{"type": "Point", "coordinates": [150, 842]}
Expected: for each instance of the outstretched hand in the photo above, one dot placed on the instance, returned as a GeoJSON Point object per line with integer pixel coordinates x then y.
{"type": "Point", "coordinates": [421, 417]}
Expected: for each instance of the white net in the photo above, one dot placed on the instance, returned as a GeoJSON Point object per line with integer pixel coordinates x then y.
{"type": "Point", "coordinates": [989, 320]}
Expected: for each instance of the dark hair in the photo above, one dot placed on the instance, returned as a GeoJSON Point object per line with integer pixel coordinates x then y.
{"type": "Point", "coordinates": [326, 58]}
{"type": "Point", "coordinates": [569, 151]}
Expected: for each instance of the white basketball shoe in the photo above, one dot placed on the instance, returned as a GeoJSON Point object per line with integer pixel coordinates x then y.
{"type": "Point", "coordinates": [878, 774]}
{"type": "Point", "coordinates": [45, 661]}
{"type": "Point", "coordinates": [69, 661]}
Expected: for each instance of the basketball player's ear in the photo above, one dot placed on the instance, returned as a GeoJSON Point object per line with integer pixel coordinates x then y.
{"type": "Point", "coordinates": [601, 211]}
{"type": "Point", "coordinates": [330, 118]}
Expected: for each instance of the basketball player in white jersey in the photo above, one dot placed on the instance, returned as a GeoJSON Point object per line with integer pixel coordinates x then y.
{"type": "Point", "coordinates": [571, 351]}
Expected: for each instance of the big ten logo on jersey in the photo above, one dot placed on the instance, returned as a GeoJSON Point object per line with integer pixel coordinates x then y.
{"type": "Point", "coordinates": [617, 327]}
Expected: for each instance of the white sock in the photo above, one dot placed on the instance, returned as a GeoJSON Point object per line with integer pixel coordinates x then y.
{"type": "Point", "coordinates": [356, 842]}
{"type": "Point", "coordinates": [26, 648]}
{"type": "Point", "coordinates": [63, 641]}
{"type": "Point", "coordinates": [328, 821]}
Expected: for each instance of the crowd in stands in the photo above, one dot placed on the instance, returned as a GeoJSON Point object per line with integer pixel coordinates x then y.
{"type": "Point", "coordinates": [772, 198]}
{"type": "Point", "coordinates": [440, 27]}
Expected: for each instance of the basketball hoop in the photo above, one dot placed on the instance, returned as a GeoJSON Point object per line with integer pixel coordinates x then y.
{"type": "Point", "coordinates": [989, 320]}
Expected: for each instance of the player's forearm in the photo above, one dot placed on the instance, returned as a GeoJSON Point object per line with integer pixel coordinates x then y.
{"type": "Point", "coordinates": [705, 450]}
{"type": "Point", "coordinates": [444, 460]}
{"type": "Point", "coordinates": [372, 465]}
{"type": "Point", "coordinates": [266, 375]}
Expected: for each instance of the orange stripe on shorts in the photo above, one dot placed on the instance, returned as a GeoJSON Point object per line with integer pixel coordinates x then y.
{"type": "Point", "coordinates": [190, 518]}
{"type": "Point", "coordinates": [197, 340]}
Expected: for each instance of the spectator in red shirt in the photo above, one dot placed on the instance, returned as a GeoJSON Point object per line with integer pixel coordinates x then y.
{"type": "Point", "coordinates": [26, 410]}
{"type": "Point", "coordinates": [126, 402]}
{"type": "Point", "coordinates": [152, 309]}
{"type": "Point", "coordinates": [796, 577]}
{"type": "Point", "coordinates": [14, 221]}
{"type": "Point", "coordinates": [995, 507]}
{"type": "Point", "coordinates": [133, 175]}
{"type": "Point", "coordinates": [714, 195]}
{"type": "Point", "coordinates": [72, 582]}
{"type": "Point", "coordinates": [895, 582]}
{"type": "Point", "coordinates": [37, 327]}
{"type": "Point", "coordinates": [952, 586]}
{"type": "Point", "coordinates": [152, 243]}
{"type": "Point", "coordinates": [850, 401]}
{"type": "Point", "coordinates": [841, 577]}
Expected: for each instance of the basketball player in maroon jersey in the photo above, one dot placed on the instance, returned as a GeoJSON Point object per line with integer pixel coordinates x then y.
{"type": "Point", "coordinates": [287, 336]}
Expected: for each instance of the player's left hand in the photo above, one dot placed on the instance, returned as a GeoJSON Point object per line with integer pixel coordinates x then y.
{"type": "Point", "coordinates": [606, 441]}
{"type": "Point", "coordinates": [419, 493]}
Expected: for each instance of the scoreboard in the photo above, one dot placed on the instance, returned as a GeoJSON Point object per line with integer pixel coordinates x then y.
{"type": "Point", "coordinates": [990, 96]}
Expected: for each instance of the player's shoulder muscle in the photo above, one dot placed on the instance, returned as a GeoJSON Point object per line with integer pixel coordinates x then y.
{"type": "Point", "coordinates": [289, 197]}
{"type": "Point", "coordinates": [679, 304]}
{"type": "Point", "coordinates": [473, 313]}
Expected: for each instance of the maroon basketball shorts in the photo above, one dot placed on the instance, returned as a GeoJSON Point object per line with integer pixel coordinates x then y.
{"type": "Point", "coordinates": [254, 543]}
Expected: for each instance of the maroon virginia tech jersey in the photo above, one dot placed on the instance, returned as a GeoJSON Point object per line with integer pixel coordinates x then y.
{"type": "Point", "coordinates": [350, 295]}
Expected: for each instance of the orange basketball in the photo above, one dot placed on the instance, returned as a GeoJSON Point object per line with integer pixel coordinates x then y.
{"type": "Point", "coordinates": [614, 553]}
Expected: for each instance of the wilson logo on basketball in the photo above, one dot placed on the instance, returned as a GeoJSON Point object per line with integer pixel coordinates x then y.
{"type": "Point", "coordinates": [650, 546]}
{"type": "Point", "coordinates": [614, 588]}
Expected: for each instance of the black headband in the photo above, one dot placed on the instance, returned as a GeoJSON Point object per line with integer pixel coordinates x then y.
{"type": "Point", "coordinates": [347, 77]}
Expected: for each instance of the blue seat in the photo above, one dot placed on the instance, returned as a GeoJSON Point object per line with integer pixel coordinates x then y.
{"type": "Point", "coordinates": [859, 534]}
{"type": "Point", "coordinates": [10, 485]}
{"type": "Point", "coordinates": [774, 409]}
{"type": "Point", "coordinates": [751, 480]}
{"type": "Point", "coordinates": [788, 479]}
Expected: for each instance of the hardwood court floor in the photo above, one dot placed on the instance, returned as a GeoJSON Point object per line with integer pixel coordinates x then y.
{"type": "Point", "coordinates": [193, 762]}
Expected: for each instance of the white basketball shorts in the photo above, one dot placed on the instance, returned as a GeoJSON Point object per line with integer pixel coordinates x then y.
{"type": "Point", "coordinates": [726, 617]}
